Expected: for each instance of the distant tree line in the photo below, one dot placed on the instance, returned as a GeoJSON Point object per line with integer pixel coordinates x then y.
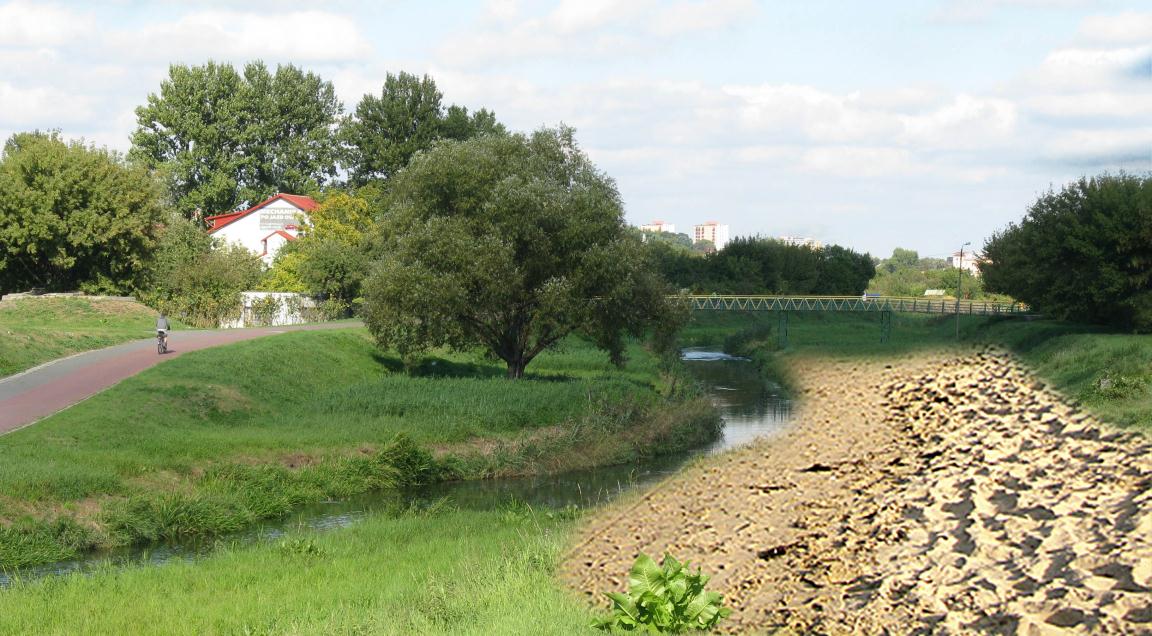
{"type": "Point", "coordinates": [1083, 253]}
{"type": "Point", "coordinates": [907, 274]}
{"type": "Point", "coordinates": [765, 266]}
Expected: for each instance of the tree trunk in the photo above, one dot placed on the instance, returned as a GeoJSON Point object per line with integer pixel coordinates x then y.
{"type": "Point", "coordinates": [516, 369]}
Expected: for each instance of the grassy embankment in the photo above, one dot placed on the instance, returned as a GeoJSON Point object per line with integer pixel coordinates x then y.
{"type": "Point", "coordinates": [36, 330]}
{"type": "Point", "coordinates": [1110, 373]}
{"type": "Point", "coordinates": [212, 441]}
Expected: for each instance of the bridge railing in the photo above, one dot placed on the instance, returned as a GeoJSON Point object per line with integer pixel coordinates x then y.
{"type": "Point", "coordinates": [719, 302]}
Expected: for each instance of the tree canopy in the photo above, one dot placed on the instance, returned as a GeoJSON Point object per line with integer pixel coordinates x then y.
{"type": "Point", "coordinates": [222, 139]}
{"type": "Point", "coordinates": [1083, 253]}
{"type": "Point", "coordinates": [906, 273]}
{"type": "Point", "coordinates": [196, 278]}
{"type": "Point", "coordinates": [509, 242]}
{"type": "Point", "coordinates": [765, 266]}
{"type": "Point", "coordinates": [73, 216]}
{"type": "Point", "coordinates": [386, 131]}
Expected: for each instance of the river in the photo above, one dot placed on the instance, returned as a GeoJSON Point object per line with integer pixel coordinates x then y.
{"type": "Point", "coordinates": [751, 407]}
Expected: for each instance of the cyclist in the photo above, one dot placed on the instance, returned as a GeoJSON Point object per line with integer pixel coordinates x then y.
{"type": "Point", "coordinates": [162, 328]}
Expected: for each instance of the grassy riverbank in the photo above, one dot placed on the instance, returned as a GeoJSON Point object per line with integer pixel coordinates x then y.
{"type": "Point", "coordinates": [214, 440]}
{"type": "Point", "coordinates": [1111, 373]}
{"type": "Point", "coordinates": [460, 572]}
{"type": "Point", "coordinates": [38, 329]}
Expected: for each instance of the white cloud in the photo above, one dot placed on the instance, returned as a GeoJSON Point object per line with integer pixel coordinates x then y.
{"type": "Point", "coordinates": [1096, 145]}
{"type": "Point", "coordinates": [711, 15]}
{"type": "Point", "coordinates": [27, 24]}
{"type": "Point", "coordinates": [44, 107]}
{"type": "Point", "coordinates": [860, 161]}
{"type": "Point", "coordinates": [979, 10]}
{"type": "Point", "coordinates": [502, 10]}
{"type": "Point", "coordinates": [574, 16]}
{"type": "Point", "coordinates": [587, 28]}
{"type": "Point", "coordinates": [1092, 105]}
{"type": "Point", "coordinates": [1123, 28]}
{"type": "Point", "coordinates": [294, 36]}
{"type": "Point", "coordinates": [1080, 68]}
{"type": "Point", "coordinates": [965, 122]}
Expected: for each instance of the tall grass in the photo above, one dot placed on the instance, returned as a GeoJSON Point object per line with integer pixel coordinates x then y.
{"type": "Point", "coordinates": [460, 572]}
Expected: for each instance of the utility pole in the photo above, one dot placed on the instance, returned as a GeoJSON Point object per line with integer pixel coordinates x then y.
{"type": "Point", "coordinates": [959, 284]}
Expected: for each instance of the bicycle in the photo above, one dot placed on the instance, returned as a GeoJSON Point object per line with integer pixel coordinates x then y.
{"type": "Point", "coordinates": [161, 342]}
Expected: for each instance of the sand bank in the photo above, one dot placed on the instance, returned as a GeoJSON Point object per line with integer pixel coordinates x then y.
{"type": "Point", "coordinates": [923, 495]}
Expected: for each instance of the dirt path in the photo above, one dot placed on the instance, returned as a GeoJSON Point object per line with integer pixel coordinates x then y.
{"type": "Point", "coordinates": [36, 393]}
{"type": "Point", "coordinates": [915, 497]}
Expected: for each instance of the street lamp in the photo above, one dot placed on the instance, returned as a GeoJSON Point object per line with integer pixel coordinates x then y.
{"type": "Point", "coordinates": [959, 285]}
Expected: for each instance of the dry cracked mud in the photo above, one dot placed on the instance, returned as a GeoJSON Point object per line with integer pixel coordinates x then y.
{"type": "Point", "coordinates": [918, 496]}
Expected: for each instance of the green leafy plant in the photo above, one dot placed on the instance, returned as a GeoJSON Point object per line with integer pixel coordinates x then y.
{"type": "Point", "coordinates": [666, 598]}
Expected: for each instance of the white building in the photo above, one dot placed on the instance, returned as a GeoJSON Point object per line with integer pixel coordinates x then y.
{"type": "Point", "coordinates": [711, 231]}
{"type": "Point", "coordinates": [970, 262]}
{"type": "Point", "coordinates": [659, 226]}
{"type": "Point", "coordinates": [265, 227]}
{"type": "Point", "coordinates": [802, 241]}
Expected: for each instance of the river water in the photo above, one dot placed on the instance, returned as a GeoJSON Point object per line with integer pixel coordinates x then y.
{"type": "Point", "coordinates": [751, 407]}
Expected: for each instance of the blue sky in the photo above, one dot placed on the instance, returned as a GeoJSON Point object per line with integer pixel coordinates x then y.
{"type": "Point", "coordinates": [920, 124]}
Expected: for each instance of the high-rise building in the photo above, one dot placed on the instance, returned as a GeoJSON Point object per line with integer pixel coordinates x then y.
{"type": "Point", "coordinates": [659, 226]}
{"type": "Point", "coordinates": [711, 231]}
{"type": "Point", "coordinates": [802, 241]}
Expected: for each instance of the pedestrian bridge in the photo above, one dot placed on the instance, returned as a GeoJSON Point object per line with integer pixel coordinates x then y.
{"type": "Point", "coordinates": [876, 304]}
{"type": "Point", "coordinates": [881, 305]}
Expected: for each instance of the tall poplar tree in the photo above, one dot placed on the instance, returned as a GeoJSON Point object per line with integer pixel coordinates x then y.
{"type": "Point", "coordinates": [222, 139]}
{"type": "Point", "coordinates": [408, 116]}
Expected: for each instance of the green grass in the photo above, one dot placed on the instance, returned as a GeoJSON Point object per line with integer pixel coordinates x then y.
{"type": "Point", "coordinates": [444, 572]}
{"type": "Point", "coordinates": [213, 440]}
{"type": "Point", "coordinates": [1111, 373]}
{"type": "Point", "coordinates": [38, 329]}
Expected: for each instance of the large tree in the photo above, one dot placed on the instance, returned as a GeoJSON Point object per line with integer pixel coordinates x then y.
{"type": "Point", "coordinates": [223, 139]}
{"type": "Point", "coordinates": [1083, 253]}
{"type": "Point", "coordinates": [408, 116]}
{"type": "Point", "coordinates": [73, 216]}
{"type": "Point", "coordinates": [509, 242]}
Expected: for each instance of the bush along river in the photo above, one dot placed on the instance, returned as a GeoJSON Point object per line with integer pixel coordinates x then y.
{"type": "Point", "coordinates": [751, 407]}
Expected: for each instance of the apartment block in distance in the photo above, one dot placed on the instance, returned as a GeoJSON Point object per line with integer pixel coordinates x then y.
{"type": "Point", "coordinates": [659, 226]}
{"type": "Point", "coordinates": [802, 241]}
{"type": "Point", "coordinates": [711, 231]}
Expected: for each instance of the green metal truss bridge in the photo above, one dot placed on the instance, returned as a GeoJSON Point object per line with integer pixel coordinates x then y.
{"type": "Point", "coordinates": [884, 306]}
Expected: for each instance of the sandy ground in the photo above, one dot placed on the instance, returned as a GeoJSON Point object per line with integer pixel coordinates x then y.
{"type": "Point", "coordinates": [917, 496]}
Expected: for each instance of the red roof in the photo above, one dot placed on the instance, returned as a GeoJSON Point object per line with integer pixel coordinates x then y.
{"type": "Point", "coordinates": [281, 233]}
{"type": "Point", "coordinates": [307, 204]}
{"type": "Point", "coordinates": [287, 237]}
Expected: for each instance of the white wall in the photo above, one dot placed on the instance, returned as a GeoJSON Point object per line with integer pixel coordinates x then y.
{"type": "Point", "coordinates": [285, 316]}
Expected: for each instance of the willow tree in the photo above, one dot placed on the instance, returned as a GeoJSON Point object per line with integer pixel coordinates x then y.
{"type": "Point", "coordinates": [509, 242]}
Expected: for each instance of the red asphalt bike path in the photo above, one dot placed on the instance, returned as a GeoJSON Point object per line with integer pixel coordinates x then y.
{"type": "Point", "coordinates": [37, 393]}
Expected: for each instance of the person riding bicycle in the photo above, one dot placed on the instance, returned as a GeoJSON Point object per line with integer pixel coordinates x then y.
{"type": "Point", "coordinates": [162, 328]}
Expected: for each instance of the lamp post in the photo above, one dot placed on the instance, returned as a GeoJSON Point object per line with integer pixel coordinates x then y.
{"type": "Point", "coordinates": [959, 285]}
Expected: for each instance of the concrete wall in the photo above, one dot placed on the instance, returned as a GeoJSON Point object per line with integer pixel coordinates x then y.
{"type": "Point", "coordinates": [293, 309]}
